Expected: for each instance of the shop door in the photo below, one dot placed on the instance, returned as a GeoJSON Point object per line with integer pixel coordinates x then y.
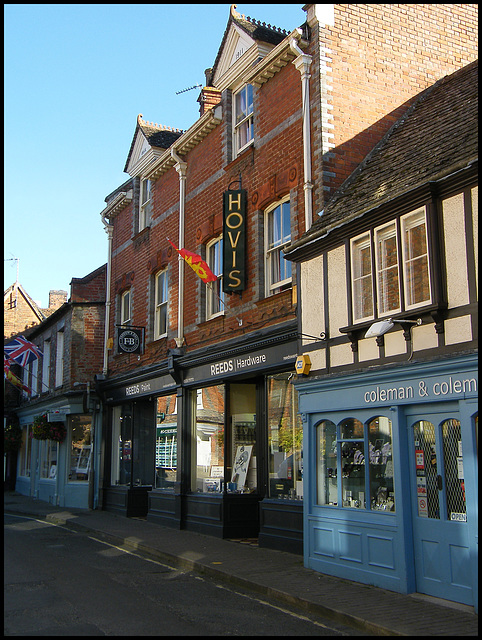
{"type": "Point", "coordinates": [441, 541]}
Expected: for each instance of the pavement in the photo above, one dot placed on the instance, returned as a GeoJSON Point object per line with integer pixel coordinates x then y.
{"type": "Point", "coordinates": [277, 575]}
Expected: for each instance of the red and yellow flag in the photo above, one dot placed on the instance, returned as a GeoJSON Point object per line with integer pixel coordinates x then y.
{"type": "Point", "coordinates": [197, 264]}
{"type": "Point", "coordinates": [11, 377]}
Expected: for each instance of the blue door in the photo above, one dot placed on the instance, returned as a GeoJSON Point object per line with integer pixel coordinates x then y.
{"type": "Point", "coordinates": [441, 541]}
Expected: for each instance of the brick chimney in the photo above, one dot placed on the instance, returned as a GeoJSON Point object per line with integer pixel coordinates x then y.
{"type": "Point", "coordinates": [209, 96]}
{"type": "Point", "coordinates": [56, 299]}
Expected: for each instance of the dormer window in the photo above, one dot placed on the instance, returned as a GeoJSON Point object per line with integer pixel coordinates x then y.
{"type": "Point", "coordinates": [145, 204]}
{"type": "Point", "coordinates": [243, 118]}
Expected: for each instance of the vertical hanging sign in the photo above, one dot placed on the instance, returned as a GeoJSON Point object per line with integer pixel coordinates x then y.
{"type": "Point", "coordinates": [234, 240]}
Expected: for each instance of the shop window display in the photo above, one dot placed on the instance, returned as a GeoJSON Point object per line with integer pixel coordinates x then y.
{"type": "Point", "coordinates": [80, 448]}
{"type": "Point", "coordinates": [355, 466]}
{"type": "Point", "coordinates": [48, 459]}
{"type": "Point", "coordinates": [26, 451]}
{"type": "Point", "coordinates": [285, 439]}
{"type": "Point", "coordinates": [166, 443]}
{"type": "Point", "coordinates": [209, 441]}
{"type": "Point", "coordinates": [225, 458]}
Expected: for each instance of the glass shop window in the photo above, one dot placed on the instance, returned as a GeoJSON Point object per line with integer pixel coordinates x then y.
{"type": "Point", "coordinates": [49, 450]}
{"type": "Point", "coordinates": [26, 451]}
{"type": "Point", "coordinates": [355, 464]}
{"type": "Point", "coordinates": [208, 476]}
{"type": "Point", "coordinates": [80, 448]}
{"type": "Point", "coordinates": [285, 439]}
{"type": "Point", "coordinates": [121, 446]}
{"type": "Point", "coordinates": [166, 443]}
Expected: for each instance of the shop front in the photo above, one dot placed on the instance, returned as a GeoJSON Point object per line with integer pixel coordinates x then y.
{"type": "Point", "coordinates": [213, 446]}
{"type": "Point", "coordinates": [58, 469]}
{"type": "Point", "coordinates": [391, 477]}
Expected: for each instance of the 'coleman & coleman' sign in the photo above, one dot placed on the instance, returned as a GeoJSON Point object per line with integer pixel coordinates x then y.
{"type": "Point", "coordinates": [234, 240]}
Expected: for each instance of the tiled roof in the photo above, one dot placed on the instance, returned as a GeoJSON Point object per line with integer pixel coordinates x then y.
{"type": "Point", "coordinates": [434, 138]}
{"type": "Point", "coordinates": [158, 135]}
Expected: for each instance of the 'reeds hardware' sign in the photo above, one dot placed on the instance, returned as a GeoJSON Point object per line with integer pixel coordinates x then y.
{"type": "Point", "coordinates": [234, 240]}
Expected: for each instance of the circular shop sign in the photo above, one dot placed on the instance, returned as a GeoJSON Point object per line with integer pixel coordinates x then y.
{"type": "Point", "coordinates": [129, 341]}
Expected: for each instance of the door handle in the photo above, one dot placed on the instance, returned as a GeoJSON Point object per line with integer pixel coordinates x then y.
{"type": "Point", "coordinates": [439, 483]}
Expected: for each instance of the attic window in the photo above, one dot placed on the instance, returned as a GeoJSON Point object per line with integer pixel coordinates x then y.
{"type": "Point", "coordinates": [243, 118]}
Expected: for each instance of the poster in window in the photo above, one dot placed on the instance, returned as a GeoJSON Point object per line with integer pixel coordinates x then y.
{"type": "Point", "coordinates": [83, 461]}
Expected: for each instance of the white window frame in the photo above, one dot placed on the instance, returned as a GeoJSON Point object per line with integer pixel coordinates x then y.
{"type": "Point", "coordinates": [46, 366]}
{"type": "Point", "coordinates": [383, 234]}
{"type": "Point", "coordinates": [397, 229]}
{"type": "Point", "coordinates": [125, 307]}
{"type": "Point", "coordinates": [145, 203]}
{"type": "Point", "coordinates": [359, 279]}
{"type": "Point", "coordinates": [274, 249]}
{"type": "Point", "coordinates": [35, 381]}
{"type": "Point", "coordinates": [243, 118]}
{"type": "Point", "coordinates": [59, 359]}
{"type": "Point", "coordinates": [408, 222]}
{"type": "Point", "coordinates": [214, 290]}
{"type": "Point", "coordinates": [160, 304]}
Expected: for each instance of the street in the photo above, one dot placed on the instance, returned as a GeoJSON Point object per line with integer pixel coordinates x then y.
{"type": "Point", "coordinates": [60, 582]}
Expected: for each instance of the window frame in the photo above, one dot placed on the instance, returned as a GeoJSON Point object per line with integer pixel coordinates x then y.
{"type": "Point", "coordinates": [391, 230]}
{"type": "Point", "coordinates": [354, 456]}
{"type": "Point", "coordinates": [127, 294]}
{"type": "Point", "coordinates": [59, 359]}
{"type": "Point", "coordinates": [271, 286]}
{"type": "Point", "coordinates": [215, 296]}
{"type": "Point", "coordinates": [159, 306]}
{"type": "Point", "coordinates": [46, 366]}
{"type": "Point", "coordinates": [145, 204]}
{"type": "Point", "coordinates": [417, 214]}
{"type": "Point", "coordinates": [243, 121]}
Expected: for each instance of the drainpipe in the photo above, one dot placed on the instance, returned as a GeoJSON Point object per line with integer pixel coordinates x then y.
{"type": "Point", "coordinates": [302, 62]}
{"type": "Point", "coordinates": [181, 168]}
{"type": "Point", "coordinates": [109, 230]}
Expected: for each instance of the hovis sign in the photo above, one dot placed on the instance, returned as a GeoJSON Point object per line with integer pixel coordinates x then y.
{"type": "Point", "coordinates": [234, 240]}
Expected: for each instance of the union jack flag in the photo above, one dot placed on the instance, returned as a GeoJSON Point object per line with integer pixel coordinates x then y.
{"type": "Point", "coordinates": [22, 351]}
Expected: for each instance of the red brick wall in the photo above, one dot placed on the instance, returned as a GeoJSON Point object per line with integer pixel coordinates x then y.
{"type": "Point", "coordinates": [377, 58]}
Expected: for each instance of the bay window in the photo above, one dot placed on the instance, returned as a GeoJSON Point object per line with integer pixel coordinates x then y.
{"type": "Point", "coordinates": [355, 465]}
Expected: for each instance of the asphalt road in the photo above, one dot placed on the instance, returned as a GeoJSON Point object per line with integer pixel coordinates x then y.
{"type": "Point", "coordinates": [60, 582]}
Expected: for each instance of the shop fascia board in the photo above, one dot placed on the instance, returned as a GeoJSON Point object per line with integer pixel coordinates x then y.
{"type": "Point", "coordinates": [190, 139]}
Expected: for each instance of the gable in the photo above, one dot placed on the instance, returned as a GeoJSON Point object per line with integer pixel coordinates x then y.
{"type": "Point", "coordinates": [236, 44]}
{"type": "Point", "coordinates": [149, 142]}
{"type": "Point", "coordinates": [245, 41]}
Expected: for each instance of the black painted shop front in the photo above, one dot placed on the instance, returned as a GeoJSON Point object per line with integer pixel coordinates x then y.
{"type": "Point", "coordinates": [211, 442]}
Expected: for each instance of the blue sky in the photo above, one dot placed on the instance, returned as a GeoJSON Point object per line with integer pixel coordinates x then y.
{"type": "Point", "coordinates": [76, 77]}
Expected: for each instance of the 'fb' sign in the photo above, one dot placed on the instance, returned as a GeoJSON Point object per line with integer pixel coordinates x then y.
{"type": "Point", "coordinates": [234, 240]}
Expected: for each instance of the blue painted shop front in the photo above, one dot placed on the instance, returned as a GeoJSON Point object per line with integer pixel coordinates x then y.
{"type": "Point", "coordinates": [390, 477]}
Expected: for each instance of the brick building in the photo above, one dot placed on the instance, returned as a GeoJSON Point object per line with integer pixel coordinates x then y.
{"type": "Point", "coordinates": [63, 388]}
{"type": "Point", "coordinates": [201, 427]}
{"type": "Point", "coordinates": [20, 311]}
